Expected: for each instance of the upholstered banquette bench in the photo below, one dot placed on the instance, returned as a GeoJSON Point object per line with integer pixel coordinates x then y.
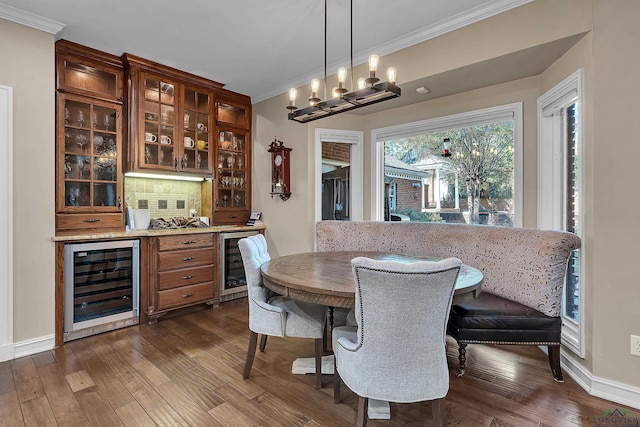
{"type": "Point", "coordinates": [524, 273]}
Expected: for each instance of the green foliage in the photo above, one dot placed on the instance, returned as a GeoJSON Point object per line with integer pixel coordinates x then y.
{"type": "Point", "coordinates": [419, 216]}
{"type": "Point", "coordinates": [483, 155]}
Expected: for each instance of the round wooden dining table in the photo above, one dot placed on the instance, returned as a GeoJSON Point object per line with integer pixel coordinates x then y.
{"type": "Point", "coordinates": [326, 278]}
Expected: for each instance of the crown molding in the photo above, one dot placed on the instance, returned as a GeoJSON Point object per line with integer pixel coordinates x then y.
{"type": "Point", "coordinates": [455, 22]}
{"type": "Point", "coordinates": [30, 20]}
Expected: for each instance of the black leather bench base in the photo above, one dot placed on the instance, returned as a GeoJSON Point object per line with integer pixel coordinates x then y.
{"type": "Point", "coordinates": [490, 318]}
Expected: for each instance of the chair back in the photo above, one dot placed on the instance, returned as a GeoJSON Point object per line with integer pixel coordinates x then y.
{"type": "Point", "coordinates": [254, 253]}
{"type": "Point", "coordinates": [401, 312]}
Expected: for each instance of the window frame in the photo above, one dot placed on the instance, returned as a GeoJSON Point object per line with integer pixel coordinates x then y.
{"type": "Point", "coordinates": [553, 186]}
{"type": "Point", "coordinates": [355, 139]}
{"type": "Point", "coordinates": [471, 118]}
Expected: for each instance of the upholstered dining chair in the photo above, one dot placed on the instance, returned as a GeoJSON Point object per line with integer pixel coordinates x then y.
{"type": "Point", "coordinates": [397, 351]}
{"type": "Point", "coordinates": [277, 316]}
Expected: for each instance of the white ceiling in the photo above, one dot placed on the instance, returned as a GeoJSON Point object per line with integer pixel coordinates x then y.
{"type": "Point", "coordinates": [256, 47]}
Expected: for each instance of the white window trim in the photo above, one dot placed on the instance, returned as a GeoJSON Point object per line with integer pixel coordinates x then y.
{"type": "Point", "coordinates": [551, 155]}
{"type": "Point", "coordinates": [6, 224]}
{"type": "Point", "coordinates": [455, 121]}
{"type": "Point", "coordinates": [355, 138]}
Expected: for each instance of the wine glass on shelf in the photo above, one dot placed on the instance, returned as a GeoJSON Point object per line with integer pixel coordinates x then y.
{"type": "Point", "coordinates": [67, 116]}
{"type": "Point", "coordinates": [95, 120]}
{"type": "Point", "coordinates": [237, 198]}
{"type": "Point", "coordinates": [107, 122]}
{"type": "Point", "coordinates": [80, 118]}
{"type": "Point", "coordinates": [80, 162]}
{"type": "Point", "coordinates": [81, 140]}
{"type": "Point", "coordinates": [225, 199]}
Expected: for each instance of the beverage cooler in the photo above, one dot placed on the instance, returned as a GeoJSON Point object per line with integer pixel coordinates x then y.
{"type": "Point", "coordinates": [232, 278]}
{"type": "Point", "coordinates": [101, 287]}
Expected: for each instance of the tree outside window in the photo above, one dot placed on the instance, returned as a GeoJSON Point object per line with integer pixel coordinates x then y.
{"type": "Point", "coordinates": [479, 172]}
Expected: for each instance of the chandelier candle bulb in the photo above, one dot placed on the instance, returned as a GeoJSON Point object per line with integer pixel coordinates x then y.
{"type": "Point", "coordinates": [342, 78]}
{"type": "Point", "coordinates": [391, 75]}
{"type": "Point", "coordinates": [374, 60]}
{"type": "Point", "coordinates": [293, 94]}
{"type": "Point", "coordinates": [315, 87]}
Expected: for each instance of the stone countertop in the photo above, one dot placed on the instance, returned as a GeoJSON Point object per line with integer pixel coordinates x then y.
{"type": "Point", "coordinates": [88, 236]}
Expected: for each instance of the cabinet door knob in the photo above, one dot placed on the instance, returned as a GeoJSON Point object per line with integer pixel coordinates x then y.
{"type": "Point", "coordinates": [187, 258]}
{"type": "Point", "coordinates": [187, 295]}
{"type": "Point", "coordinates": [90, 220]}
{"type": "Point", "coordinates": [187, 277]}
{"type": "Point", "coordinates": [189, 242]}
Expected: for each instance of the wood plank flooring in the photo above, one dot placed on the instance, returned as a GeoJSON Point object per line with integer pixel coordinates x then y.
{"type": "Point", "coordinates": [186, 371]}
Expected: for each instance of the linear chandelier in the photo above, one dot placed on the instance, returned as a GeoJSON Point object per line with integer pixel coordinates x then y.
{"type": "Point", "coordinates": [369, 91]}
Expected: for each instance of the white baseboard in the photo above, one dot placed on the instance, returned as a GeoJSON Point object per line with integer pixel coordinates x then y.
{"type": "Point", "coordinates": [35, 345]}
{"type": "Point", "coordinates": [6, 352]}
{"type": "Point", "coordinates": [614, 391]}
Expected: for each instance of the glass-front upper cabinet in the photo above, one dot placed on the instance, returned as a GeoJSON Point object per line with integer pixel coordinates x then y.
{"type": "Point", "coordinates": [80, 73]}
{"type": "Point", "coordinates": [89, 162]}
{"type": "Point", "coordinates": [171, 116]}
{"type": "Point", "coordinates": [233, 170]}
{"type": "Point", "coordinates": [233, 113]}
{"type": "Point", "coordinates": [89, 103]}
{"type": "Point", "coordinates": [196, 155]}
{"type": "Point", "coordinates": [158, 134]}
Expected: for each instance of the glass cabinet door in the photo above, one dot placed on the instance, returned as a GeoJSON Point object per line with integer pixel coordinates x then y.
{"type": "Point", "coordinates": [232, 114]}
{"type": "Point", "coordinates": [196, 139]}
{"type": "Point", "coordinates": [90, 163]}
{"type": "Point", "coordinates": [232, 170]}
{"type": "Point", "coordinates": [81, 76]}
{"type": "Point", "coordinates": [159, 125]}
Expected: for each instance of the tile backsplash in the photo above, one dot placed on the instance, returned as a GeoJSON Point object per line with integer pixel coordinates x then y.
{"type": "Point", "coordinates": [164, 198]}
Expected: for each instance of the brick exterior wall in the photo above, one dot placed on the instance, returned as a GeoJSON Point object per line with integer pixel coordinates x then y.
{"type": "Point", "coordinates": [407, 196]}
{"type": "Point", "coordinates": [336, 151]}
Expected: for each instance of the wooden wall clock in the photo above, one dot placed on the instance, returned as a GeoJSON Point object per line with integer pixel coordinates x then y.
{"type": "Point", "coordinates": [280, 169]}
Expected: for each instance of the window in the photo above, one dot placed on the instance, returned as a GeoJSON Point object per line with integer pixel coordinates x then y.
{"type": "Point", "coordinates": [560, 190]}
{"type": "Point", "coordinates": [392, 196]}
{"type": "Point", "coordinates": [479, 183]}
{"type": "Point", "coordinates": [342, 198]}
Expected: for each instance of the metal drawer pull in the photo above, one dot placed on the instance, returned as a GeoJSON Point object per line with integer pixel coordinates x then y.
{"type": "Point", "coordinates": [189, 242]}
{"type": "Point", "coordinates": [189, 258]}
{"type": "Point", "coordinates": [187, 277]}
{"type": "Point", "coordinates": [90, 220]}
{"type": "Point", "coordinates": [187, 295]}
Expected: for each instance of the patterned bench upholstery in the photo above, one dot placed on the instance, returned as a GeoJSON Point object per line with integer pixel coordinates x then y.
{"type": "Point", "coordinates": [524, 272]}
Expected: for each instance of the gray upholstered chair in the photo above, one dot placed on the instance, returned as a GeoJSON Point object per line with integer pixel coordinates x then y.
{"type": "Point", "coordinates": [397, 352]}
{"type": "Point", "coordinates": [277, 316]}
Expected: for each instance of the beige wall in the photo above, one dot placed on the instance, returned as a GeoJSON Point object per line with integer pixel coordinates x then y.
{"type": "Point", "coordinates": [609, 57]}
{"type": "Point", "coordinates": [27, 65]}
{"type": "Point", "coordinates": [614, 235]}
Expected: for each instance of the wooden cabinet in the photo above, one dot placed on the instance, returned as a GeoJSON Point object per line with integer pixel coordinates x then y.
{"type": "Point", "coordinates": [89, 186]}
{"type": "Point", "coordinates": [229, 194]}
{"type": "Point", "coordinates": [182, 273]}
{"type": "Point", "coordinates": [171, 119]}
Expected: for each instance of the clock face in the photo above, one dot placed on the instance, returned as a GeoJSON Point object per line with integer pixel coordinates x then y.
{"type": "Point", "coordinates": [278, 160]}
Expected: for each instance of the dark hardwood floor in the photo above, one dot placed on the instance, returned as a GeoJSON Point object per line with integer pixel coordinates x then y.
{"type": "Point", "coordinates": [185, 370]}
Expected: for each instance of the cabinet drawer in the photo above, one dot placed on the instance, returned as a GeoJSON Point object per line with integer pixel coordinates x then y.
{"type": "Point", "coordinates": [89, 221]}
{"type": "Point", "coordinates": [185, 295]}
{"type": "Point", "coordinates": [186, 276]}
{"type": "Point", "coordinates": [183, 259]}
{"type": "Point", "coordinates": [185, 241]}
{"type": "Point", "coordinates": [236, 217]}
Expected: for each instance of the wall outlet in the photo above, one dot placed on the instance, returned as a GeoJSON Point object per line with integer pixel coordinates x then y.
{"type": "Point", "coordinates": [635, 345]}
